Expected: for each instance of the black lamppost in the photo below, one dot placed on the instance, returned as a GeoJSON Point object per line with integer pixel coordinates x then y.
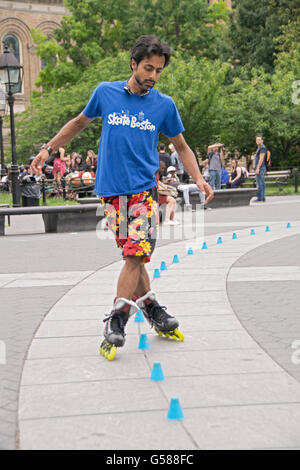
{"type": "Point", "coordinates": [11, 75]}
{"type": "Point", "coordinates": [2, 112]}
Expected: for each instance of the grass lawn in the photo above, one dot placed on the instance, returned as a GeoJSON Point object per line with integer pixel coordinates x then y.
{"type": "Point", "coordinates": [6, 198]}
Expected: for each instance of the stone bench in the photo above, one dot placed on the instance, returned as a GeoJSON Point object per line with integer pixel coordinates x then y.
{"type": "Point", "coordinates": [71, 218]}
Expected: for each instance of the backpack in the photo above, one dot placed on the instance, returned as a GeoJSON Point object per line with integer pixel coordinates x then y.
{"type": "Point", "coordinates": [268, 159]}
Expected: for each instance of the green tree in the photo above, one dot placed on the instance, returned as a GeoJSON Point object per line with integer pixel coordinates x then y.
{"type": "Point", "coordinates": [98, 28]}
{"type": "Point", "coordinates": [254, 26]}
{"type": "Point", "coordinates": [264, 104]}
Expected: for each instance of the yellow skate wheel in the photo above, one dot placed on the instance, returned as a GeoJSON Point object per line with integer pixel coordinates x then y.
{"type": "Point", "coordinates": [108, 350]}
{"type": "Point", "coordinates": [178, 335]}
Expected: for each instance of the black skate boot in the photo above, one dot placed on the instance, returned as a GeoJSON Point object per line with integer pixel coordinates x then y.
{"type": "Point", "coordinates": [163, 323]}
{"type": "Point", "coordinates": [114, 330]}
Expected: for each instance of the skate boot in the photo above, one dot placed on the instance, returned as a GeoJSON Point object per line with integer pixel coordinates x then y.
{"type": "Point", "coordinates": [163, 323]}
{"type": "Point", "coordinates": [114, 330]}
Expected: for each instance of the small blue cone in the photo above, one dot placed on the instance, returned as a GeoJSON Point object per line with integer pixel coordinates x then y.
{"type": "Point", "coordinates": [288, 225]}
{"type": "Point", "coordinates": [252, 231]}
{"type": "Point", "coordinates": [156, 273]}
{"type": "Point", "coordinates": [190, 251]}
{"type": "Point", "coordinates": [157, 373]}
{"type": "Point", "coordinates": [175, 411]}
{"type": "Point", "coordinates": [234, 236]}
{"type": "Point", "coordinates": [204, 246]}
{"type": "Point", "coordinates": [268, 228]}
{"type": "Point", "coordinates": [144, 343]}
{"type": "Point", "coordinates": [163, 266]}
{"type": "Point", "coordinates": [139, 317]}
{"type": "Point", "coordinates": [175, 259]}
{"type": "Point", "coordinates": [219, 240]}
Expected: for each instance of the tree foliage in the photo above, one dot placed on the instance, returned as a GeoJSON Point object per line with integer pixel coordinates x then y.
{"type": "Point", "coordinates": [97, 28]}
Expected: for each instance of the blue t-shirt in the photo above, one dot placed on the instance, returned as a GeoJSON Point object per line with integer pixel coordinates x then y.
{"type": "Point", "coordinates": [127, 156]}
{"type": "Point", "coordinates": [261, 149]}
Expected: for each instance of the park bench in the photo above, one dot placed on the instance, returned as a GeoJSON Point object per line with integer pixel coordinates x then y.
{"type": "Point", "coordinates": [280, 177]}
{"type": "Point", "coordinates": [71, 218]}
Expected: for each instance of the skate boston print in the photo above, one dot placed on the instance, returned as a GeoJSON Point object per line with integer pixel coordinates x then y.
{"type": "Point", "coordinates": [125, 119]}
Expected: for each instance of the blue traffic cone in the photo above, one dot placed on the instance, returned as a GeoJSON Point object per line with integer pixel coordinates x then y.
{"type": "Point", "coordinates": [268, 228]}
{"type": "Point", "coordinates": [144, 343]}
{"type": "Point", "coordinates": [175, 411]}
{"type": "Point", "coordinates": [288, 225]}
{"type": "Point", "coordinates": [163, 266]}
{"type": "Point", "coordinates": [204, 246]}
{"type": "Point", "coordinates": [234, 236]}
{"type": "Point", "coordinates": [190, 251]}
{"type": "Point", "coordinates": [252, 232]}
{"type": "Point", "coordinates": [157, 373]}
{"type": "Point", "coordinates": [156, 273]}
{"type": "Point", "coordinates": [139, 317]}
{"type": "Point", "coordinates": [175, 259]}
{"type": "Point", "coordinates": [219, 240]}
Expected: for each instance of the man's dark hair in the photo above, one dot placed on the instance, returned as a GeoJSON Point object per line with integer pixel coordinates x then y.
{"type": "Point", "coordinates": [147, 46]}
{"type": "Point", "coordinates": [261, 136]}
{"type": "Point", "coordinates": [162, 147]}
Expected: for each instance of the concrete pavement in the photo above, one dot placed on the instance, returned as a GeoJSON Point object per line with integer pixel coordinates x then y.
{"type": "Point", "coordinates": [234, 392]}
{"type": "Point", "coordinates": [236, 374]}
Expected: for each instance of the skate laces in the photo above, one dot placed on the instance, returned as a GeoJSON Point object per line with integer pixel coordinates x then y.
{"type": "Point", "coordinates": [117, 323]}
{"type": "Point", "coordinates": [157, 312]}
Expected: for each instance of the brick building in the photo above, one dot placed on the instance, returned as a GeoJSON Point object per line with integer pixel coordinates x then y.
{"type": "Point", "coordinates": [16, 19]}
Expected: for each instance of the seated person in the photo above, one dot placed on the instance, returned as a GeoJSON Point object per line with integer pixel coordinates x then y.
{"type": "Point", "coordinates": [164, 197]}
{"type": "Point", "coordinates": [186, 189]}
{"type": "Point", "coordinates": [172, 178]}
{"type": "Point", "coordinates": [236, 177]}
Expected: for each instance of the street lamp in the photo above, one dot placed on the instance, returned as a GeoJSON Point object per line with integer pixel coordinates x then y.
{"type": "Point", "coordinates": [11, 75]}
{"type": "Point", "coordinates": [2, 112]}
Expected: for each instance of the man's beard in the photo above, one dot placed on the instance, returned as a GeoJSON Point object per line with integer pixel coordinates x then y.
{"type": "Point", "coordinates": [142, 84]}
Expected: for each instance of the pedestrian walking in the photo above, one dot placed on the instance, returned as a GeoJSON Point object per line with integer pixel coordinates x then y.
{"type": "Point", "coordinates": [133, 114]}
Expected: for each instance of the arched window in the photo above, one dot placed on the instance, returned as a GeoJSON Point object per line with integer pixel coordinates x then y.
{"type": "Point", "coordinates": [13, 44]}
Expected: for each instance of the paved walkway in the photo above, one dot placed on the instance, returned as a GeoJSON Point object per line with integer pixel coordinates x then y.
{"type": "Point", "coordinates": [232, 392]}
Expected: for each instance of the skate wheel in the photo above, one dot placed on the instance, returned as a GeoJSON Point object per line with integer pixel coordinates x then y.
{"type": "Point", "coordinates": [108, 350]}
{"type": "Point", "coordinates": [177, 334]}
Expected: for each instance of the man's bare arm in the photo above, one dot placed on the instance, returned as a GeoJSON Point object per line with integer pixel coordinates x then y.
{"type": "Point", "coordinates": [190, 164]}
{"type": "Point", "coordinates": [65, 135]}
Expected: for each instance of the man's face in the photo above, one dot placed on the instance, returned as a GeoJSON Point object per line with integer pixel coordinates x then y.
{"type": "Point", "coordinates": [148, 71]}
{"type": "Point", "coordinates": [259, 141]}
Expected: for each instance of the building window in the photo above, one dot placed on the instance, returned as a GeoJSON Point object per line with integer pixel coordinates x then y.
{"type": "Point", "coordinates": [13, 44]}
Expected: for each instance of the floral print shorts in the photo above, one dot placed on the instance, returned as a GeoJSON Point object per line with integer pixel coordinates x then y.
{"type": "Point", "coordinates": [134, 221]}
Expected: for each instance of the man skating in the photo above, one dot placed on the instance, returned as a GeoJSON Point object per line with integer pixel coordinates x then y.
{"type": "Point", "coordinates": [133, 114]}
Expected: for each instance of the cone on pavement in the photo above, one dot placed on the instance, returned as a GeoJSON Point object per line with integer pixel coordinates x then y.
{"type": "Point", "coordinates": [156, 274]}
{"type": "Point", "coordinates": [234, 236]}
{"type": "Point", "coordinates": [144, 343]}
{"type": "Point", "coordinates": [157, 374]}
{"type": "Point", "coordinates": [190, 251]}
{"type": "Point", "coordinates": [175, 259]}
{"type": "Point", "coordinates": [268, 228]}
{"type": "Point", "coordinates": [163, 266]}
{"type": "Point", "coordinates": [288, 225]}
{"type": "Point", "coordinates": [204, 246]}
{"type": "Point", "coordinates": [219, 240]}
{"type": "Point", "coordinates": [252, 231]}
{"type": "Point", "coordinates": [175, 411]}
{"type": "Point", "coordinates": [139, 317]}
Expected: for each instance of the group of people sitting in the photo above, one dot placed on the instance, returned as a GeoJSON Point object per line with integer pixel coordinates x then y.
{"type": "Point", "coordinates": [173, 183]}
{"type": "Point", "coordinates": [70, 173]}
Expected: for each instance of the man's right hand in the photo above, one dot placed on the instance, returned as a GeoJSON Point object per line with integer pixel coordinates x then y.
{"type": "Point", "coordinates": [38, 163]}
